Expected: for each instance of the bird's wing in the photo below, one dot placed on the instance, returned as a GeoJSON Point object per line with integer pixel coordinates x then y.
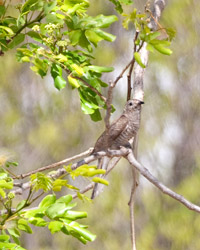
{"type": "Point", "coordinates": [117, 127]}
{"type": "Point", "coordinates": [114, 131]}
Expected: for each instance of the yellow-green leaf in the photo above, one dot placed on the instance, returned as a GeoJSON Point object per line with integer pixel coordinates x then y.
{"type": "Point", "coordinates": [138, 59]}
{"type": "Point", "coordinates": [100, 180]}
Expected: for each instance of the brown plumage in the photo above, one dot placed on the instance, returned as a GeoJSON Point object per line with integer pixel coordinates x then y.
{"type": "Point", "coordinates": [120, 132]}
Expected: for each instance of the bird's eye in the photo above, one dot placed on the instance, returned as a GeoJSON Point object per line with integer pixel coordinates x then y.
{"type": "Point", "coordinates": [130, 104]}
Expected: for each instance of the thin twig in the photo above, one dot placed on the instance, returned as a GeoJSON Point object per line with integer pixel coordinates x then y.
{"type": "Point", "coordinates": [129, 88]}
{"type": "Point", "coordinates": [61, 171]}
{"type": "Point", "coordinates": [91, 87]}
{"type": "Point", "coordinates": [57, 164]}
{"type": "Point", "coordinates": [37, 19]}
{"type": "Point", "coordinates": [131, 202]}
{"type": "Point", "coordinates": [131, 208]}
{"type": "Point", "coordinates": [108, 105]}
{"type": "Point", "coordinates": [108, 112]}
{"type": "Point", "coordinates": [123, 71]}
{"type": "Point", "coordinates": [84, 190]}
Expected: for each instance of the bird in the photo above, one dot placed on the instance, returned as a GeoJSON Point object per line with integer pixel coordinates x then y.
{"type": "Point", "coordinates": [118, 134]}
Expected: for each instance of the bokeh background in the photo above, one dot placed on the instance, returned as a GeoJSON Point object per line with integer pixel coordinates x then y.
{"type": "Point", "coordinates": [40, 125]}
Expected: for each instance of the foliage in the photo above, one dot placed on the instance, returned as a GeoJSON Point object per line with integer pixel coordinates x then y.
{"type": "Point", "coordinates": [56, 214]}
{"type": "Point", "coordinates": [59, 37]}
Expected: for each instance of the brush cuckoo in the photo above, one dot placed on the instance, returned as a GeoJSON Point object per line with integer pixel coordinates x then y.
{"type": "Point", "coordinates": [118, 134]}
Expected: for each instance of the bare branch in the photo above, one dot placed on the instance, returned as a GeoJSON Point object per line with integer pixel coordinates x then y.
{"type": "Point", "coordinates": [84, 190]}
{"type": "Point", "coordinates": [123, 71]}
{"type": "Point", "coordinates": [158, 7]}
{"type": "Point", "coordinates": [129, 88]}
{"type": "Point", "coordinates": [108, 105]}
{"type": "Point", "coordinates": [54, 165]}
{"type": "Point", "coordinates": [128, 154]}
{"type": "Point", "coordinates": [61, 171]}
{"type": "Point", "coordinates": [145, 172]}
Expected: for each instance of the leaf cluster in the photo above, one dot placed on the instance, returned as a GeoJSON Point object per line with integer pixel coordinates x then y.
{"type": "Point", "coordinates": [61, 37]}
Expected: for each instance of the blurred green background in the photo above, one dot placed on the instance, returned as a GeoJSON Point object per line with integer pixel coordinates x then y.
{"type": "Point", "coordinates": [40, 125]}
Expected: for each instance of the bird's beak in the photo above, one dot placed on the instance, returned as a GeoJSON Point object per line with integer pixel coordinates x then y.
{"type": "Point", "coordinates": [141, 102]}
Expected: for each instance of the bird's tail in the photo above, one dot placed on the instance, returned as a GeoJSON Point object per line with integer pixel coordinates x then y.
{"type": "Point", "coordinates": [98, 188]}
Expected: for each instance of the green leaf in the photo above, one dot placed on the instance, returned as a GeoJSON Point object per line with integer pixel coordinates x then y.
{"type": "Point", "coordinates": [3, 175]}
{"type": "Point", "coordinates": [150, 48]}
{"type": "Point", "coordinates": [100, 69]}
{"type": "Point", "coordinates": [14, 232]}
{"type": "Point", "coordinates": [58, 184]}
{"type": "Point", "coordinates": [35, 36]}
{"type": "Point", "coordinates": [59, 82]}
{"type": "Point", "coordinates": [127, 2]}
{"type": "Point", "coordinates": [40, 66]}
{"type": "Point", "coordinates": [38, 212]}
{"type": "Point", "coordinates": [21, 205]}
{"type": "Point", "coordinates": [53, 18]}
{"type": "Point", "coordinates": [55, 226]}
{"type": "Point", "coordinates": [152, 36]}
{"type": "Point", "coordinates": [96, 172]}
{"type": "Point", "coordinates": [84, 43]}
{"type": "Point", "coordinates": [56, 72]}
{"type": "Point", "coordinates": [49, 6]}
{"type": "Point", "coordinates": [87, 108]}
{"type": "Point", "coordinates": [100, 180]}
{"type": "Point", "coordinates": [75, 36]}
{"type": "Point", "coordinates": [93, 37]}
{"type": "Point", "coordinates": [41, 181]}
{"type": "Point", "coordinates": [11, 163]}
{"type": "Point", "coordinates": [56, 210]}
{"type": "Point", "coordinates": [37, 221]}
{"type": "Point", "coordinates": [2, 193]}
{"type": "Point", "coordinates": [73, 82]}
{"type": "Point", "coordinates": [160, 42]}
{"type": "Point", "coordinates": [23, 225]}
{"type": "Point", "coordinates": [138, 59]}
{"type": "Point", "coordinates": [77, 70]}
{"type": "Point", "coordinates": [74, 215]}
{"type": "Point", "coordinates": [171, 33]}
{"type": "Point", "coordinates": [96, 116]}
{"type": "Point", "coordinates": [5, 184]}
{"type": "Point", "coordinates": [7, 29]}
{"type": "Point", "coordinates": [83, 232]}
{"type": "Point", "coordinates": [163, 50]}
{"type": "Point", "coordinates": [31, 5]}
{"type": "Point", "coordinates": [99, 21]}
{"type": "Point", "coordinates": [118, 6]}
{"type": "Point", "coordinates": [4, 238]}
{"type": "Point", "coordinates": [65, 199]}
{"type": "Point", "coordinates": [47, 201]}
{"type": "Point", "coordinates": [106, 36]}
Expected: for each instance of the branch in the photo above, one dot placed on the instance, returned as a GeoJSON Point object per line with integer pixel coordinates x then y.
{"type": "Point", "coordinates": [129, 88]}
{"type": "Point", "coordinates": [128, 154]}
{"type": "Point", "coordinates": [91, 87]}
{"type": "Point", "coordinates": [54, 165]}
{"type": "Point", "coordinates": [145, 172]}
{"type": "Point", "coordinates": [108, 105]}
{"type": "Point", "coordinates": [123, 71]}
{"type": "Point", "coordinates": [84, 190]}
{"type": "Point", "coordinates": [61, 171]}
{"type": "Point", "coordinates": [37, 19]}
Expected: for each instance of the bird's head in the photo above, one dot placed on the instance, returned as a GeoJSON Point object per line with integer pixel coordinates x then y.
{"type": "Point", "coordinates": [133, 104]}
